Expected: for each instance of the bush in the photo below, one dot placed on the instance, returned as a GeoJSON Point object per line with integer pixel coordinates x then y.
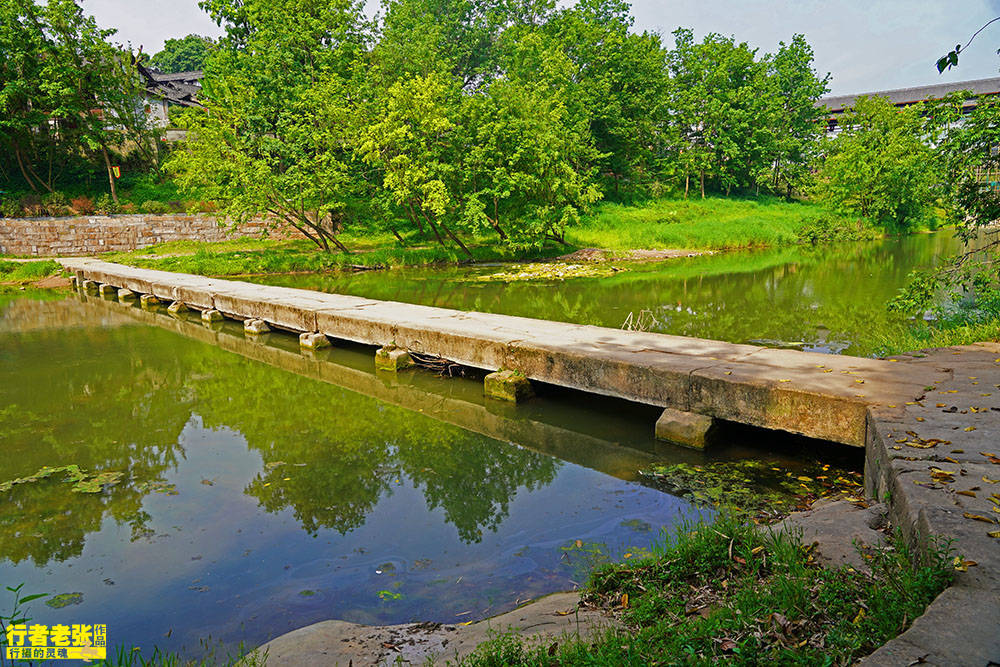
{"type": "Point", "coordinates": [10, 209]}
{"type": "Point", "coordinates": [105, 205]}
{"type": "Point", "coordinates": [83, 205]}
{"type": "Point", "coordinates": [154, 207]}
{"type": "Point", "coordinates": [55, 204]}
{"type": "Point", "coordinates": [32, 205]}
{"type": "Point", "coordinates": [128, 207]}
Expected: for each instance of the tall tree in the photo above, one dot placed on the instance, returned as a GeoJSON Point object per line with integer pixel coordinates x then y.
{"type": "Point", "coordinates": [183, 55]}
{"type": "Point", "coordinates": [879, 165]}
{"type": "Point", "coordinates": [280, 112]}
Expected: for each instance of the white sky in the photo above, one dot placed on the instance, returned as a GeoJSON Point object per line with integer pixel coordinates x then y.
{"type": "Point", "coordinates": [866, 45]}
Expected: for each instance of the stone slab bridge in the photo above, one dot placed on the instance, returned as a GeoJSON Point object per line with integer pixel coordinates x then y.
{"type": "Point", "coordinates": [816, 395]}
{"type": "Point", "coordinates": [929, 421]}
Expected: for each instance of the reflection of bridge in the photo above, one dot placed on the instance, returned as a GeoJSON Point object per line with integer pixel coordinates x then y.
{"type": "Point", "coordinates": [903, 97]}
{"type": "Point", "coordinates": [455, 402]}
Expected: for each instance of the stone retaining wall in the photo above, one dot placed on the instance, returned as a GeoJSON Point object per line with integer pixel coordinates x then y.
{"type": "Point", "coordinates": [96, 234]}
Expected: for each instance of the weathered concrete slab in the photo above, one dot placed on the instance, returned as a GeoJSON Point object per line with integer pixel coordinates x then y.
{"type": "Point", "coordinates": [816, 395]}
{"type": "Point", "coordinates": [935, 462]}
{"type": "Point", "coordinates": [342, 643]}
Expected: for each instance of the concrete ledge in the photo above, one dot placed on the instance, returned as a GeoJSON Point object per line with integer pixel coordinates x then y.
{"type": "Point", "coordinates": [908, 447]}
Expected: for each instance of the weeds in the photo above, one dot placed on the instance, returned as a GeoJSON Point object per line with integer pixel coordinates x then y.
{"type": "Point", "coordinates": [17, 616]}
{"type": "Point", "coordinates": [737, 593]}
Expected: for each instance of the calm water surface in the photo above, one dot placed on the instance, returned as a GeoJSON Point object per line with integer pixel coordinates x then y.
{"type": "Point", "coordinates": [829, 298]}
{"type": "Point", "coordinates": [265, 489]}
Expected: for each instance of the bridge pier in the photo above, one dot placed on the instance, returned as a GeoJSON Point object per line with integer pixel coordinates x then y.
{"type": "Point", "coordinates": [148, 301]}
{"type": "Point", "coordinates": [510, 386]}
{"type": "Point", "coordinates": [211, 315]}
{"type": "Point", "coordinates": [686, 429]}
{"type": "Point", "coordinates": [391, 358]}
{"type": "Point", "coordinates": [313, 340]}
{"type": "Point", "coordinates": [255, 327]}
{"type": "Point", "coordinates": [176, 308]}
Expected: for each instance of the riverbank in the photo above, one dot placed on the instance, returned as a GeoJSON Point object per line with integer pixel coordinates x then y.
{"type": "Point", "coordinates": [798, 591]}
{"type": "Point", "coordinates": [652, 230]}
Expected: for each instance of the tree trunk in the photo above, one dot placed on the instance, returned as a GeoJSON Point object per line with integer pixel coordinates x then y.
{"type": "Point", "coordinates": [111, 174]}
{"type": "Point", "coordinates": [24, 172]}
{"type": "Point", "coordinates": [703, 184]}
{"type": "Point", "coordinates": [687, 184]}
{"type": "Point", "coordinates": [456, 240]}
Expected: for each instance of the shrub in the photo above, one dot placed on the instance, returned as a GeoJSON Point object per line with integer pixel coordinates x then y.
{"type": "Point", "coordinates": [154, 207]}
{"type": "Point", "coordinates": [32, 205]}
{"type": "Point", "coordinates": [55, 203]}
{"type": "Point", "coordinates": [105, 205]}
{"type": "Point", "coordinates": [128, 207]}
{"type": "Point", "coordinates": [83, 205]}
{"type": "Point", "coordinates": [10, 209]}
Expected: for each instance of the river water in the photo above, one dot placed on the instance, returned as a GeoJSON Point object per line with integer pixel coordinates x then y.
{"type": "Point", "coordinates": [264, 489]}
{"type": "Point", "coordinates": [827, 298]}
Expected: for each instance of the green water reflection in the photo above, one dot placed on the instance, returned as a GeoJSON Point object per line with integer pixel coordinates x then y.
{"type": "Point", "coordinates": [825, 298]}
{"type": "Point", "coordinates": [254, 473]}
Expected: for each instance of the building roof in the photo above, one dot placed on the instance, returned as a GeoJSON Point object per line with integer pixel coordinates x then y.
{"type": "Point", "coordinates": [177, 88]}
{"type": "Point", "coordinates": [905, 96]}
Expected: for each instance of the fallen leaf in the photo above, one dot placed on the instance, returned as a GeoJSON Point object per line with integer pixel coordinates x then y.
{"type": "Point", "coordinates": [969, 428]}
{"type": "Point", "coordinates": [971, 494]}
{"type": "Point", "coordinates": [977, 517]}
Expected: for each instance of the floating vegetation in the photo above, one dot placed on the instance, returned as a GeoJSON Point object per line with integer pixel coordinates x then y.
{"type": "Point", "coordinates": [307, 593]}
{"type": "Point", "coordinates": [638, 525]}
{"type": "Point", "coordinates": [756, 487]}
{"type": "Point", "coordinates": [83, 481]}
{"type": "Point", "coordinates": [389, 595]}
{"type": "Point", "coordinates": [64, 600]}
{"type": "Point", "coordinates": [541, 271]}
{"type": "Point", "coordinates": [158, 486]}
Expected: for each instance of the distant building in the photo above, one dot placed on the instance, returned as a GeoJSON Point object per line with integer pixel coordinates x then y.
{"type": "Point", "coordinates": [902, 97]}
{"type": "Point", "coordinates": [162, 90]}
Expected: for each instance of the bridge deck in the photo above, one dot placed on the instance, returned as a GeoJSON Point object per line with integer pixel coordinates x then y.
{"type": "Point", "coordinates": [821, 396]}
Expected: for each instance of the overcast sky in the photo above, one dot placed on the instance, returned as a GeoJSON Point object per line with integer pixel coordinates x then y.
{"type": "Point", "coordinates": [867, 45]}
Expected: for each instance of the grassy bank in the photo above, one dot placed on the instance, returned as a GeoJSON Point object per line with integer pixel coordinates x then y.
{"type": "Point", "coordinates": [26, 272]}
{"type": "Point", "coordinates": [694, 224]}
{"type": "Point", "coordinates": [733, 592]}
{"type": "Point", "coordinates": [714, 223]}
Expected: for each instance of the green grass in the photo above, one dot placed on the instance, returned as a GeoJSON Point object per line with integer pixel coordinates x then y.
{"type": "Point", "coordinates": [732, 592]}
{"type": "Point", "coordinates": [713, 223]}
{"type": "Point", "coordinates": [24, 272]}
{"type": "Point", "coordinates": [944, 334]}
{"type": "Point", "coordinates": [261, 257]}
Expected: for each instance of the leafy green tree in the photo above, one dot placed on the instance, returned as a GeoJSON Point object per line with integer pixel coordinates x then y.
{"type": "Point", "coordinates": [620, 81]}
{"type": "Point", "coordinates": [274, 138]}
{"type": "Point", "coordinates": [183, 55]}
{"type": "Point", "coordinates": [795, 120]}
{"type": "Point", "coordinates": [78, 98]}
{"type": "Point", "coordinates": [879, 165]}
